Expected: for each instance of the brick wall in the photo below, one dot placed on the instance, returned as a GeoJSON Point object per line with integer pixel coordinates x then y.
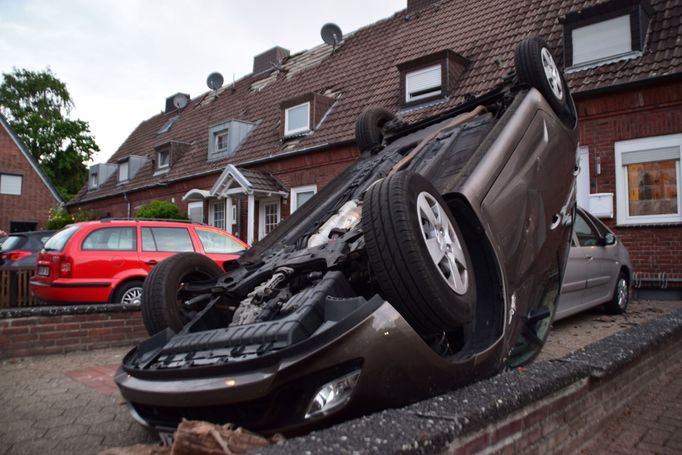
{"type": "Point", "coordinates": [632, 114]}
{"type": "Point", "coordinates": [34, 203]}
{"type": "Point", "coordinates": [65, 333]}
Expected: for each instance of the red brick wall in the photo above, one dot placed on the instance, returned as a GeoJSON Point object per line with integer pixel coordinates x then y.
{"type": "Point", "coordinates": [35, 200]}
{"type": "Point", "coordinates": [66, 333]}
{"type": "Point", "coordinates": [631, 114]}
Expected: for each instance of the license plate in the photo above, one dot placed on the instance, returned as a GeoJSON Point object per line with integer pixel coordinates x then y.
{"type": "Point", "coordinates": [166, 438]}
{"type": "Point", "coordinates": [43, 271]}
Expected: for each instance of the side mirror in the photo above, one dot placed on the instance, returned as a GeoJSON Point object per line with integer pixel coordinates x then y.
{"type": "Point", "coordinates": [609, 239]}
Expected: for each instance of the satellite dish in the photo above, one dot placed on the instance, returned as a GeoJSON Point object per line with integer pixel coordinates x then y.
{"type": "Point", "coordinates": [179, 101]}
{"type": "Point", "coordinates": [331, 34]}
{"type": "Point", "coordinates": [215, 81]}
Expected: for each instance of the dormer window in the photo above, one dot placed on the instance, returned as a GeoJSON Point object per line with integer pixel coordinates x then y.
{"type": "Point", "coordinates": [605, 33]}
{"type": "Point", "coordinates": [221, 142]}
{"type": "Point", "coordinates": [123, 175]}
{"type": "Point", "coordinates": [163, 159]}
{"type": "Point", "coordinates": [297, 119]}
{"type": "Point", "coordinates": [423, 83]}
{"type": "Point", "coordinates": [430, 77]}
{"type": "Point", "coordinates": [94, 181]}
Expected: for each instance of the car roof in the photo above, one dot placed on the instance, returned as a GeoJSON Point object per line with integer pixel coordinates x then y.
{"type": "Point", "coordinates": [135, 222]}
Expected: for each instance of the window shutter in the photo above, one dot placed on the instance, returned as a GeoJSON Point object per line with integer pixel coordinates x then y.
{"type": "Point", "coordinates": [427, 79]}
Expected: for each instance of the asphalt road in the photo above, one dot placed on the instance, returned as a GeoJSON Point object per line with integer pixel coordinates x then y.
{"type": "Point", "coordinates": [64, 404]}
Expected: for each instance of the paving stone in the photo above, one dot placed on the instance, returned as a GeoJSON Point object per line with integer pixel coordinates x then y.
{"type": "Point", "coordinates": [35, 446]}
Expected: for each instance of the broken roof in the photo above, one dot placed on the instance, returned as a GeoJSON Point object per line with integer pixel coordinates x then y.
{"type": "Point", "coordinates": [362, 72]}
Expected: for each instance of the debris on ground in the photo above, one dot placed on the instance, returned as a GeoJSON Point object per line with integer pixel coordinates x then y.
{"type": "Point", "coordinates": [203, 438]}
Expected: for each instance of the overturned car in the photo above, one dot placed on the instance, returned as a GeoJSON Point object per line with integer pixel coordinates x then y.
{"type": "Point", "coordinates": [434, 260]}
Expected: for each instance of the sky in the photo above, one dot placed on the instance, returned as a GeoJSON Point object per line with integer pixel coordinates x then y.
{"type": "Point", "coordinates": [121, 59]}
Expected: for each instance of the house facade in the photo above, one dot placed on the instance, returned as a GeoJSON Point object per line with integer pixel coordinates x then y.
{"type": "Point", "coordinates": [26, 194]}
{"type": "Point", "coordinates": [245, 156]}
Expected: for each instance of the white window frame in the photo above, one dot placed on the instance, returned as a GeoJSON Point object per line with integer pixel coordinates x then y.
{"type": "Point", "coordinates": [646, 144]}
{"type": "Point", "coordinates": [219, 151]}
{"type": "Point", "coordinates": [300, 189]}
{"type": "Point", "coordinates": [287, 131]}
{"type": "Point", "coordinates": [123, 176]}
{"type": "Point", "coordinates": [93, 181]}
{"type": "Point", "coordinates": [8, 183]}
{"type": "Point", "coordinates": [158, 156]}
{"type": "Point", "coordinates": [409, 75]}
{"type": "Point", "coordinates": [261, 214]}
{"type": "Point", "coordinates": [595, 39]}
{"type": "Point", "coordinates": [196, 204]}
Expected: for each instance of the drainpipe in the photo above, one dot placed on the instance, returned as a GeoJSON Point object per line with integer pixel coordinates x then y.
{"type": "Point", "coordinates": [125, 196]}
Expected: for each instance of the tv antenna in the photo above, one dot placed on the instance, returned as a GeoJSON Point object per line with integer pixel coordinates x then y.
{"type": "Point", "coordinates": [331, 34]}
{"type": "Point", "coordinates": [215, 81]}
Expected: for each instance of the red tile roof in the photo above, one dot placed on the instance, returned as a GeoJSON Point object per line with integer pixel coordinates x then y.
{"type": "Point", "coordinates": [362, 72]}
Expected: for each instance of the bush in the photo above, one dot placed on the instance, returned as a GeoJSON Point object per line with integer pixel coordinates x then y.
{"type": "Point", "coordinates": [60, 218]}
{"type": "Point", "coordinates": [161, 209]}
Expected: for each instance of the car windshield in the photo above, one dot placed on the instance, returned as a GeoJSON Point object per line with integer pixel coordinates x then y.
{"type": "Point", "coordinates": [58, 241]}
{"type": "Point", "coordinates": [13, 242]}
{"type": "Point", "coordinates": [217, 242]}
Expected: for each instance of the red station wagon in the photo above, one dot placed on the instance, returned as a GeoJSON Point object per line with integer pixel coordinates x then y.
{"type": "Point", "coordinates": [107, 261]}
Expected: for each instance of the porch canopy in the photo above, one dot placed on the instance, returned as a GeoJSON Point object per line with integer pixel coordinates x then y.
{"type": "Point", "coordinates": [235, 181]}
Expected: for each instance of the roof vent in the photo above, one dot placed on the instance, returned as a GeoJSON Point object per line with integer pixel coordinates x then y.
{"type": "Point", "coordinates": [176, 102]}
{"type": "Point", "coordinates": [269, 59]}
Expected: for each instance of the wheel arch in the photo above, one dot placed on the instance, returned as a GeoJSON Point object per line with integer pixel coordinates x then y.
{"type": "Point", "coordinates": [123, 282]}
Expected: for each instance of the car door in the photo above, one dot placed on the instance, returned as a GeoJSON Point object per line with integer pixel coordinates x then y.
{"type": "Point", "coordinates": [591, 246]}
{"type": "Point", "coordinates": [604, 266]}
{"type": "Point", "coordinates": [160, 242]}
{"type": "Point", "coordinates": [574, 283]}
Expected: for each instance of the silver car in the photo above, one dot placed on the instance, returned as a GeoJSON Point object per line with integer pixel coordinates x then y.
{"type": "Point", "coordinates": [598, 272]}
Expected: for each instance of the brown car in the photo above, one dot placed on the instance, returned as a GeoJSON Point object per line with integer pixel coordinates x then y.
{"type": "Point", "coordinates": [434, 260]}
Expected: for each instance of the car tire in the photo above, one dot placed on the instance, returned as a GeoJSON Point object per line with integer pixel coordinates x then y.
{"type": "Point", "coordinates": [536, 67]}
{"type": "Point", "coordinates": [369, 126]}
{"type": "Point", "coordinates": [621, 296]}
{"type": "Point", "coordinates": [161, 306]}
{"type": "Point", "coordinates": [403, 218]}
{"type": "Point", "coordinates": [128, 293]}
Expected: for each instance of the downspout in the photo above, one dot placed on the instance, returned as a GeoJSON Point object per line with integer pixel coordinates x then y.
{"type": "Point", "coordinates": [125, 196]}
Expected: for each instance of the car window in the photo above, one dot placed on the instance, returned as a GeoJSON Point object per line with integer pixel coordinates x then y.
{"type": "Point", "coordinates": [587, 236]}
{"type": "Point", "coordinates": [174, 240]}
{"type": "Point", "coordinates": [58, 241]}
{"type": "Point", "coordinates": [13, 242]}
{"type": "Point", "coordinates": [601, 227]}
{"type": "Point", "coordinates": [218, 242]}
{"type": "Point", "coordinates": [111, 239]}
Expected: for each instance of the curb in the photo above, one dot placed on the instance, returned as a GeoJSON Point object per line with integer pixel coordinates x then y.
{"type": "Point", "coordinates": [433, 425]}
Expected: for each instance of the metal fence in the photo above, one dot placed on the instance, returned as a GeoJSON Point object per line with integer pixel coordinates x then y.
{"type": "Point", "coordinates": [14, 287]}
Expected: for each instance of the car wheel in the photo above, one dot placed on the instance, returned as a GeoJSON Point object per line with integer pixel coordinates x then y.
{"type": "Point", "coordinates": [162, 295]}
{"type": "Point", "coordinates": [536, 66]}
{"type": "Point", "coordinates": [129, 293]}
{"type": "Point", "coordinates": [369, 127]}
{"type": "Point", "coordinates": [417, 254]}
{"type": "Point", "coordinates": [621, 296]}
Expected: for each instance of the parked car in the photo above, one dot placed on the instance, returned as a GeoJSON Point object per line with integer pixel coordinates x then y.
{"type": "Point", "coordinates": [108, 260]}
{"type": "Point", "coordinates": [599, 271]}
{"type": "Point", "coordinates": [434, 260]}
{"type": "Point", "coordinates": [21, 249]}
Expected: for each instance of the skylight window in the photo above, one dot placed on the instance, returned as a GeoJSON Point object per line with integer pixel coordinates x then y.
{"type": "Point", "coordinates": [168, 125]}
{"type": "Point", "coordinates": [297, 119]}
{"type": "Point", "coordinates": [423, 83]}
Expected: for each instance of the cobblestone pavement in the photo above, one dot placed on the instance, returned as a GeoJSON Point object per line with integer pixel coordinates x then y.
{"type": "Point", "coordinates": [68, 404]}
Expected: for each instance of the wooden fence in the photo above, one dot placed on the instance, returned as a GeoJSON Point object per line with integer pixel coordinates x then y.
{"type": "Point", "coordinates": [14, 287]}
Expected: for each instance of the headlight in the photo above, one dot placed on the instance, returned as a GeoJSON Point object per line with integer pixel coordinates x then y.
{"type": "Point", "coordinates": [332, 395]}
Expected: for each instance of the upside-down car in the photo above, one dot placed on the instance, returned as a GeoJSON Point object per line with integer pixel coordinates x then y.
{"type": "Point", "coordinates": [434, 260]}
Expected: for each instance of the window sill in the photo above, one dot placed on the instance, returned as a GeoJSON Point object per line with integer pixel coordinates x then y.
{"type": "Point", "coordinates": [603, 61]}
{"type": "Point", "coordinates": [161, 171]}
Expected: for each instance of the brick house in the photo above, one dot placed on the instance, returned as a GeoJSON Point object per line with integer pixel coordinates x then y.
{"type": "Point", "coordinates": [246, 155]}
{"type": "Point", "coordinates": [26, 194]}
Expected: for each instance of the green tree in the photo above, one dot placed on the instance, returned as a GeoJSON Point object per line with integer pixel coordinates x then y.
{"type": "Point", "coordinates": [60, 218]}
{"type": "Point", "coordinates": [37, 105]}
{"type": "Point", "coordinates": [160, 209]}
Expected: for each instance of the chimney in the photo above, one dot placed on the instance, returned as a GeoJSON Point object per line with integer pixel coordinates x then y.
{"type": "Point", "coordinates": [263, 62]}
{"type": "Point", "coordinates": [182, 100]}
{"type": "Point", "coordinates": [414, 5]}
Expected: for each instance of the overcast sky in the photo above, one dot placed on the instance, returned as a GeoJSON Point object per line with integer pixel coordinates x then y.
{"type": "Point", "coordinates": [120, 59]}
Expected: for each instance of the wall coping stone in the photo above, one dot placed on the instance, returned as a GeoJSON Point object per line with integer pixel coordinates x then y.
{"type": "Point", "coordinates": [41, 311]}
